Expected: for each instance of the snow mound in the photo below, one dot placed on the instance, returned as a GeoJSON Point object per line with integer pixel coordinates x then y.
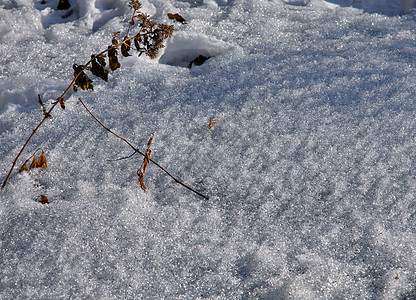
{"type": "Point", "coordinates": [184, 47]}
{"type": "Point", "coordinates": [95, 13]}
{"type": "Point", "coordinates": [297, 2]}
{"type": "Point", "coordinates": [24, 96]}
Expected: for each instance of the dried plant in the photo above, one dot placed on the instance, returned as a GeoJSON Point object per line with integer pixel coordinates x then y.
{"type": "Point", "coordinates": [143, 166]}
{"type": "Point", "coordinates": [44, 199]}
{"type": "Point", "coordinates": [141, 153]}
{"type": "Point", "coordinates": [147, 39]}
{"type": "Point", "coordinates": [177, 17]}
{"type": "Point", "coordinates": [212, 123]}
{"type": "Point", "coordinates": [36, 163]}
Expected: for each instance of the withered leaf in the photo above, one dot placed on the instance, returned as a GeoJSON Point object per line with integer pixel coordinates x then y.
{"type": "Point", "coordinates": [40, 100]}
{"type": "Point", "coordinates": [42, 162]}
{"type": "Point", "coordinates": [34, 163]}
{"type": "Point", "coordinates": [212, 123]}
{"type": "Point", "coordinates": [149, 142]}
{"type": "Point", "coordinates": [101, 59]}
{"type": "Point", "coordinates": [44, 199]}
{"type": "Point", "coordinates": [82, 79]}
{"type": "Point", "coordinates": [114, 40]}
{"type": "Point", "coordinates": [23, 168]}
{"type": "Point", "coordinates": [137, 43]}
{"type": "Point", "coordinates": [125, 47]}
{"type": "Point", "coordinates": [146, 159]}
{"type": "Point", "coordinates": [135, 4]}
{"type": "Point", "coordinates": [142, 185]}
{"type": "Point", "coordinates": [177, 17]}
{"type": "Point", "coordinates": [143, 166]}
{"type": "Point", "coordinates": [112, 58]}
{"type": "Point", "coordinates": [99, 69]}
{"type": "Point", "coordinates": [152, 53]}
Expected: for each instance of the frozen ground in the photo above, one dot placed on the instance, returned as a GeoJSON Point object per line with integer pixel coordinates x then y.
{"type": "Point", "coordinates": [311, 171]}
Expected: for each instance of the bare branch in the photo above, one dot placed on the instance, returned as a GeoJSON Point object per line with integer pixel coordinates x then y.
{"type": "Point", "coordinates": [141, 153]}
{"type": "Point", "coordinates": [121, 158]}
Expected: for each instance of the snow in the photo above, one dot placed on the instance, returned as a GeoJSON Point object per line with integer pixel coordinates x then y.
{"type": "Point", "coordinates": [311, 170]}
{"type": "Point", "coordinates": [182, 48]}
{"type": "Point", "coordinates": [388, 7]}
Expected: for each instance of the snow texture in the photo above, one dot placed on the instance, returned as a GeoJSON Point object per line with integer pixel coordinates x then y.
{"type": "Point", "coordinates": [388, 7]}
{"type": "Point", "coordinates": [311, 171]}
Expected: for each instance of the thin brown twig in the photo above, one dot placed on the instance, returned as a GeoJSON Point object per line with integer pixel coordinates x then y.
{"type": "Point", "coordinates": [121, 158]}
{"type": "Point", "coordinates": [141, 153]}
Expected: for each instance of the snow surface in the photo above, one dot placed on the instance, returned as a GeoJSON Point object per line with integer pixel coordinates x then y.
{"type": "Point", "coordinates": [388, 7]}
{"type": "Point", "coordinates": [311, 171]}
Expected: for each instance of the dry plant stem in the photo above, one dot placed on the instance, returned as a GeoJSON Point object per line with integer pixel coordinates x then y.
{"type": "Point", "coordinates": [132, 20]}
{"type": "Point", "coordinates": [141, 153]}
{"type": "Point", "coordinates": [121, 158]}
{"type": "Point", "coordinates": [26, 143]}
{"type": "Point", "coordinates": [61, 99]}
{"type": "Point", "coordinates": [46, 116]}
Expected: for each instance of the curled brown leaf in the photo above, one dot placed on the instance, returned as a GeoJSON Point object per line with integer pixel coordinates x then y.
{"type": "Point", "coordinates": [98, 68]}
{"type": "Point", "coordinates": [42, 162]}
{"type": "Point", "coordinates": [82, 80]}
{"type": "Point", "coordinates": [177, 17]}
{"type": "Point", "coordinates": [112, 58]}
{"type": "Point", "coordinates": [143, 166]}
{"type": "Point", "coordinates": [125, 47]}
